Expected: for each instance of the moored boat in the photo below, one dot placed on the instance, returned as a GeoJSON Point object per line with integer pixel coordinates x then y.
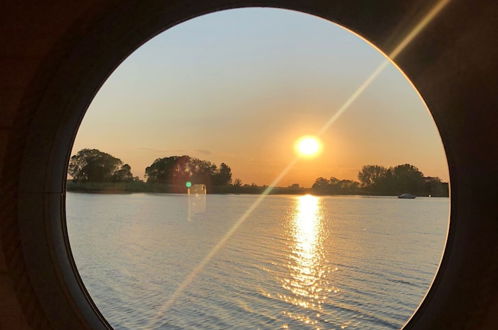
{"type": "Point", "coordinates": [407, 196]}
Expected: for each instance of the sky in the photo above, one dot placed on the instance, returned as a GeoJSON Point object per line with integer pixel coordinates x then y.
{"type": "Point", "coordinates": [241, 86]}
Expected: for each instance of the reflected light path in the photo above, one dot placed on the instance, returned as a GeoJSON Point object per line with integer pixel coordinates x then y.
{"type": "Point", "coordinates": [405, 41]}
{"type": "Point", "coordinates": [307, 234]}
{"type": "Point", "coordinates": [307, 281]}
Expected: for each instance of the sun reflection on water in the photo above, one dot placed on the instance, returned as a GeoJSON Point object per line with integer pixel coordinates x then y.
{"type": "Point", "coordinates": [307, 281]}
{"type": "Point", "coordinates": [307, 227]}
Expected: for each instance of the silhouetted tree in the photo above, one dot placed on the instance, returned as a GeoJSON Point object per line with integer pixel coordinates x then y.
{"type": "Point", "coordinates": [237, 184]}
{"type": "Point", "coordinates": [320, 186]}
{"type": "Point", "coordinates": [334, 186]}
{"type": "Point", "coordinates": [123, 174]}
{"type": "Point", "coordinates": [371, 175]}
{"type": "Point", "coordinates": [176, 170]}
{"type": "Point", "coordinates": [434, 187]}
{"type": "Point", "coordinates": [397, 180]}
{"type": "Point", "coordinates": [169, 170]}
{"type": "Point", "coordinates": [201, 171]}
{"type": "Point", "coordinates": [406, 178]}
{"type": "Point", "coordinates": [223, 176]}
{"type": "Point", "coordinates": [93, 165]}
{"type": "Point", "coordinates": [347, 187]}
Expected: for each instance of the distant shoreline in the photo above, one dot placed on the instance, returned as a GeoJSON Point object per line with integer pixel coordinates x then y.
{"type": "Point", "coordinates": [94, 171]}
{"type": "Point", "coordinates": [142, 187]}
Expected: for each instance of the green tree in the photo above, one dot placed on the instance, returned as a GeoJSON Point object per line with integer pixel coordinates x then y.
{"type": "Point", "coordinates": [93, 165]}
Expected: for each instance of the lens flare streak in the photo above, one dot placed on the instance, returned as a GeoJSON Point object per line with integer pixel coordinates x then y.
{"type": "Point", "coordinates": [438, 7]}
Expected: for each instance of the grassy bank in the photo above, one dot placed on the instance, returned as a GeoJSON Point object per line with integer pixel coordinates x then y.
{"type": "Point", "coordinates": [143, 187]}
{"type": "Point", "coordinates": [121, 187]}
{"type": "Point", "coordinates": [140, 186]}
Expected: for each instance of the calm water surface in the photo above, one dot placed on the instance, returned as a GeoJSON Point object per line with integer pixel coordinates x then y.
{"type": "Point", "coordinates": [297, 262]}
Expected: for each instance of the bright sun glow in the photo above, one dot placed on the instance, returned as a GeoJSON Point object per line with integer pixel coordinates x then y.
{"type": "Point", "coordinates": [308, 146]}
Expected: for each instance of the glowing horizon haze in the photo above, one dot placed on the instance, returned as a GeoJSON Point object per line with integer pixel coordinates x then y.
{"type": "Point", "coordinates": [241, 86]}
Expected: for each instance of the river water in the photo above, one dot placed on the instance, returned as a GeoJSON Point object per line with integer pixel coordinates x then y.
{"type": "Point", "coordinates": [296, 262]}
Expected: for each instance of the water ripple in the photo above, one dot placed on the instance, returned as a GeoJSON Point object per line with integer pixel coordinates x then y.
{"type": "Point", "coordinates": [298, 262]}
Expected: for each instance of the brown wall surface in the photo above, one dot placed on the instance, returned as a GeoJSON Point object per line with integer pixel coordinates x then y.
{"type": "Point", "coordinates": [55, 55]}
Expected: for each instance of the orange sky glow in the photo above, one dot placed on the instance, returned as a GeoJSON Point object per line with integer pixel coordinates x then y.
{"type": "Point", "coordinates": [224, 89]}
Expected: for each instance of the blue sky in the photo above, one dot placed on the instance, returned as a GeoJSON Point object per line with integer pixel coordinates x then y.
{"type": "Point", "coordinates": [240, 86]}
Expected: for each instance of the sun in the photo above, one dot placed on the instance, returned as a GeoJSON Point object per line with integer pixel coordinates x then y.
{"type": "Point", "coordinates": [308, 146]}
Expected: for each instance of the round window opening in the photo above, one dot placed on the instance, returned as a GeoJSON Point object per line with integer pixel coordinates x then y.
{"type": "Point", "coordinates": [257, 168]}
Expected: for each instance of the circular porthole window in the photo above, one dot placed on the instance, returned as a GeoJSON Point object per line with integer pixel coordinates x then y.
{"type": "Point", "coordinates": [257, 168]}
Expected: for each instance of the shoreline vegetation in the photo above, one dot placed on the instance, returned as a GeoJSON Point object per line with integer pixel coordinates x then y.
{"type": "Point", "coordinates": [93, 171]}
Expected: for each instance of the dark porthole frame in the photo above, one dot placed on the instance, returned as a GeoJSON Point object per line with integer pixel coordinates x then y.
{"type": "Point", "coordinates": [450, 79]}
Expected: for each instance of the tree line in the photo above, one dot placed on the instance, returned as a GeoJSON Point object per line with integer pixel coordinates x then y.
{"type": "Point", "coordinates": [388, 181]}
{"type": "Point", "coordinates": [93, 170]}
{"type": "Point", "coordinates": [95, 166]}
